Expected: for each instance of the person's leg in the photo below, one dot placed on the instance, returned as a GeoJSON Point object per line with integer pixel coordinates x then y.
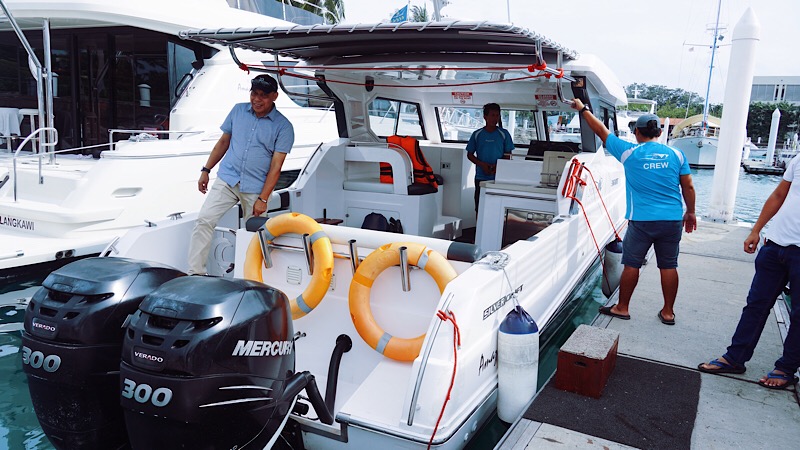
{"type": "Point", "coordinates": [669, 288]}
{"type": "Point", "coordinates": [247, 201]}
{"type": "Point", "coordinates": [627, 284]}
{"type": "Point", "coordinates": [477, 194]}
{"type": "Point", "coordinates": [790, 360]}
{"type": "Point", "coordinates": [769, 280]}
{"type": "Point", "coordinates": [635, 246]}
{"type": "Point", "coordinates": [666, 243]}
{"type": "Point", "coordinates": [219, 200]}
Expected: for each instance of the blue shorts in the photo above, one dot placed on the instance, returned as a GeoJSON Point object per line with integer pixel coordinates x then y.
{"type": "Point", "coordinates": [663, 235]}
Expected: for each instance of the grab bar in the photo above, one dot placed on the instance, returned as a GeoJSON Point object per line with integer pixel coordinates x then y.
{"type": "Point", "coordinates": [426, 353]}
{"type": "Point", "coordinates": [43, 144]}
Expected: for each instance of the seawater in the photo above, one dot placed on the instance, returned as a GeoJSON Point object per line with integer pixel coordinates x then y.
{"type": "Point", "coordinates": [19, 428]}
{"type": "Point", "coordinates": [751, 193]}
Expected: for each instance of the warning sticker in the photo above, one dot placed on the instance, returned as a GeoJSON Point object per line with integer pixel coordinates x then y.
{"type": "Point", "coordinates": [462, 97]}
{"type": "Point", "coordinates": [546, 98]}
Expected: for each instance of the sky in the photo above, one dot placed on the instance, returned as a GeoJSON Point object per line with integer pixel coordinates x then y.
{"type": "Point", "coordinates": [664, 43]}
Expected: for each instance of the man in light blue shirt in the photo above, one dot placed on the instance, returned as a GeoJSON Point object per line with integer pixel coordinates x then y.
{"type": "Point", "coordinates": [486, 146]}
{"type": "Point", "coordinates": [657, 176]}
{"type": "Point", "coordinates": [255, 140]}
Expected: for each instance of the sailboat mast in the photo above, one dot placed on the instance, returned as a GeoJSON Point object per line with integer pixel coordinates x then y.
{"type": "Point", "coordinates": [711, 69]}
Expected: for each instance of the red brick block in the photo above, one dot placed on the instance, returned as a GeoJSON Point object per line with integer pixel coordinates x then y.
{"type": "Point", "coordinates": [586, 360]}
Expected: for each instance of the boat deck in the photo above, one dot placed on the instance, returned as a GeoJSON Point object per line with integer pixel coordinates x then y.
{"type": "Point", "coordinates": [732, 411]}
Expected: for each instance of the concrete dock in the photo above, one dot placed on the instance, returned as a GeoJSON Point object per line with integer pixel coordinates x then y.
{"type": "Point", "coordinates": [733, 411]}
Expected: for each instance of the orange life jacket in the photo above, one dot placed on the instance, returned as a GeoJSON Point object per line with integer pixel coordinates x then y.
{"type": "Point", "coordinates": [423, 173]}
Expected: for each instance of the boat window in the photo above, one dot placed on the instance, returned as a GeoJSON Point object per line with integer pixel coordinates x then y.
{"type": "Point", "coordinates": [180, 61]}
{"type": "Point", "coordinates": [388, 117]}
{"type": "Point", "coordinates": [302, 87]}
{"type": "Point", "coordinates": [456, 124]}
{"type": "Point", "coordinates": [563, 126]}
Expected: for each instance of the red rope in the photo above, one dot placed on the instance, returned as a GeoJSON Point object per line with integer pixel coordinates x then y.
{"type": "Point", "coordinates": [416, 86]}
{"type": "Point", "coordinates": [534, 67]}
{"type": "Point", "coordinates": [244, 67]}
{"type": "Point", "coordinates": [613, 226]}
{"type": "Point", "coordinates": [448, 316]}
{"type": "Point", "coordinates": [569, 191]}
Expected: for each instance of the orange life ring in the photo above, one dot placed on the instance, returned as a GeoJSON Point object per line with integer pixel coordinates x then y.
{"type": "Point", "coordinates": [323, 258]}
{"type": "Point", "coordinates": [383, 257]}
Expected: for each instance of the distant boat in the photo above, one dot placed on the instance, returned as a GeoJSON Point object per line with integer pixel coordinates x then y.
{"type": "Point", "coordinates": [626, 119]}
{"type": "Point", "coordinates": [625, 123]}
{"type": "Point", "coordinates": [699, 141]}
{"type": "Point", "coordinates": [697, 137]}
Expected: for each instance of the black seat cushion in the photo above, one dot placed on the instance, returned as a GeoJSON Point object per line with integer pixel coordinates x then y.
{"type": "Point", "coordinates": [421, 189]}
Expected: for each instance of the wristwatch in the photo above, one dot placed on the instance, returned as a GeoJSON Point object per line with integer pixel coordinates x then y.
{"type": "Point", "coordinates": [205, 169]}
{"type": "Point", "coordinates": [585, 108]}
{"type": "Point", "coordinates": [261, 199]}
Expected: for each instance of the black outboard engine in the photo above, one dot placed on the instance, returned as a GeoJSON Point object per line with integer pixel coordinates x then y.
{"type": "Point", "coordinates": [72, 343]}
{"type": "Point", "coordinates": [205, 364]}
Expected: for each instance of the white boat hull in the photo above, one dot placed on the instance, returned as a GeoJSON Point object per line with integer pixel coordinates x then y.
{"type": "Point", "coordinates": [375, 394]}
{"type": "Point", "coordinates": [701, 152]}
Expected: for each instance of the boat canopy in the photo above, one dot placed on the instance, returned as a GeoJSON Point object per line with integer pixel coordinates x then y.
{"type": "Point", "coordinates": [697, 119]}
{"type": "Point", "coordinates": [441, 42]}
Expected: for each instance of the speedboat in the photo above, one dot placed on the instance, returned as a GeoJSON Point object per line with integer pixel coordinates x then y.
{"type": "Point", "coordinates": [412, 358]}
{"type": "Point", "coordinates": [136, 113]}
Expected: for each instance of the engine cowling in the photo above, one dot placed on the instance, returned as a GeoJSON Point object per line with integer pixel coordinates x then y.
{"type": "Point", "coordinates": [205, 363]}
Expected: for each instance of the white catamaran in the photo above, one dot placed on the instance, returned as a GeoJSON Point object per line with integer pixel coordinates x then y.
{"type": "Point", "coordinates": [119, 71]}
{"type": "Point", "coordinates": [423, 367]}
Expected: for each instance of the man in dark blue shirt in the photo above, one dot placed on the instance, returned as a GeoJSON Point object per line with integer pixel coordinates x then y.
{"type": "Point", "coordinates": [255, 140]}
{"type": "Point", "coordinates": [486, 146]}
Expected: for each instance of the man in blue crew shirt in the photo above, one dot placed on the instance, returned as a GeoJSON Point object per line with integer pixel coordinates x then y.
{"type": "Point", "coordinates": [255, 140]}
{"type": "Point", "coordinates": [656, 177]}
{"type": "Point", "coordinates": [486, 146]}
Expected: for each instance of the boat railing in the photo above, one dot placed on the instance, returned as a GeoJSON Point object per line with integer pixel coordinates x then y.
{"type": "Point", "coordinates": [52, 153]}
{"type": "Point", "coordinates": [423, 363]}
{"type": "Point", "coordinates": [30, 137]}
{"type": "Point", "coordinates": [144, 135]}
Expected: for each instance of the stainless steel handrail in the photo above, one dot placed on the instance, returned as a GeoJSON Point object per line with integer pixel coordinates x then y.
{"type": "Point", "coordinates": [41, 144]}
{"type": "Point", "coordinates": [112, 131]}
{"type": "Point", "coordinates": [426, 353]}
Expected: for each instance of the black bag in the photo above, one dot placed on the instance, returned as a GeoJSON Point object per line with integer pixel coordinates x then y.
{"type": "Point", "coordinates": [375, 221]}
{"type": "Point", "coordinates": [395, 226]}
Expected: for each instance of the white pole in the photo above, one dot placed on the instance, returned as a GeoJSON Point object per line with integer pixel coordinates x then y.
{"type": "Point", "coordinates": [746, 35]}
{"type": "Point", "coordinates": [437, 11]}
{"type": "Point", "coordinates": [773, 136]}
{"type": "Point", "coordinates": [665, 131]}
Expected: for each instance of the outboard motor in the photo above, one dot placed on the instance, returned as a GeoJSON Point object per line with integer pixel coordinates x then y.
{"type": "Point", "coordinates": [72, 343]}
{"type": "Point", "coordinates": [205, 365]}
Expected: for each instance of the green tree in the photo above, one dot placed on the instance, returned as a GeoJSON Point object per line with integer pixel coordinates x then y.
{"type": "Point", "coordinates": [675, 103]}
{"type": "Point", "coordinates": [419, 14]}
{"type": "Point", "coordinates": [759, 121]}
{"type": "Point", "coordinates": [332, 11]}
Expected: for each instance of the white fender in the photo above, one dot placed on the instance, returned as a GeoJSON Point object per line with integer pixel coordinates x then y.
{"type": "Point", "coordinates": [517, 363]}
{"type": "Point", "coordinates": [612, 267]}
